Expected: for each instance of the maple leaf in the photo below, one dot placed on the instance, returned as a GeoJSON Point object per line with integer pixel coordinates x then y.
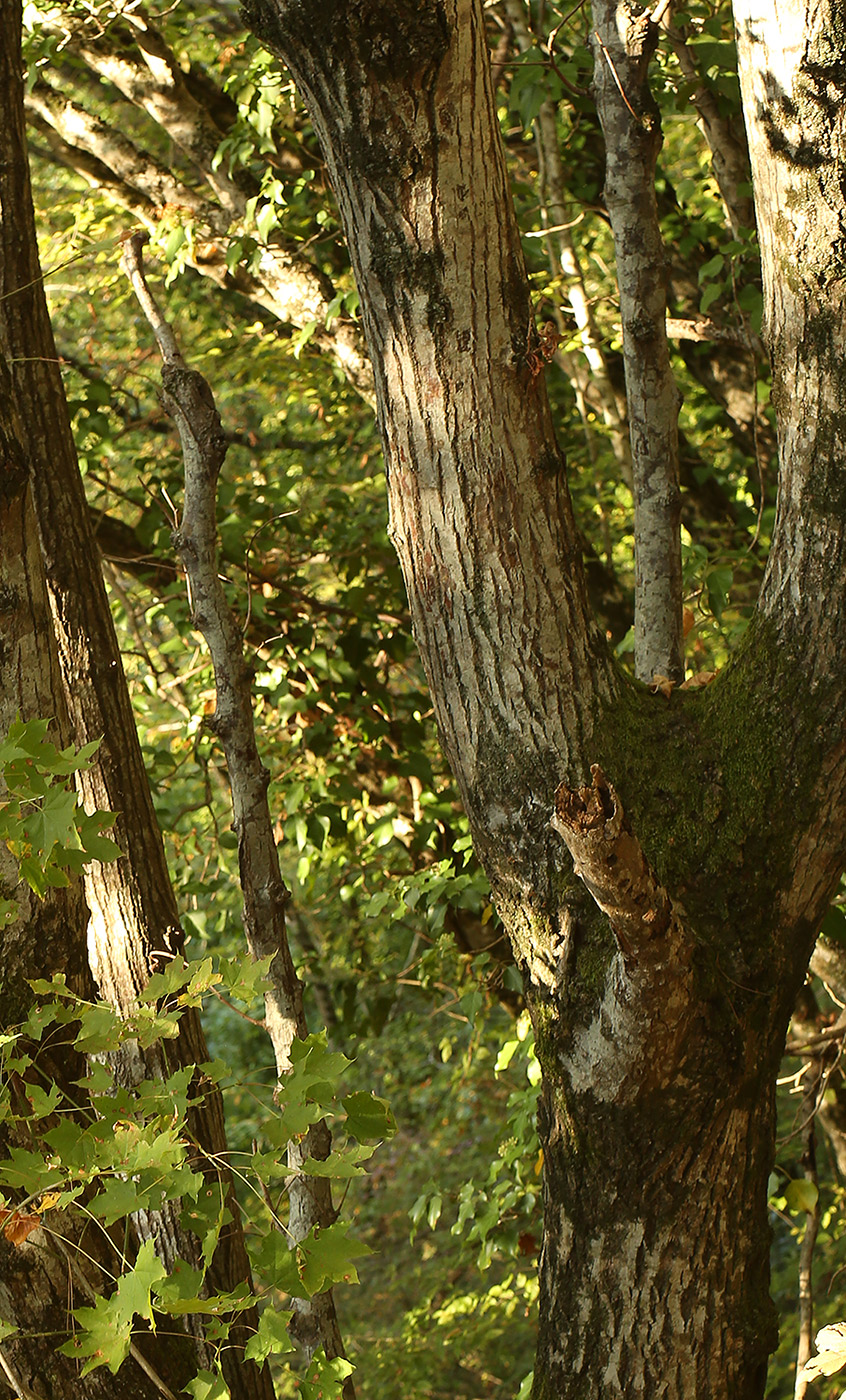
{"type": "Point", "coordinates": [697, 681]}
{"type": "Point", "coordinates": [17, 1227]}
{"type": "Point", "coordinates": [831, 1346]}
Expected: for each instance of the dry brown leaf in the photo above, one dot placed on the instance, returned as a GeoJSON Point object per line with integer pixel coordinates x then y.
{"type": "Point", "coordinates": [17, 1227]}
{"type": "Point", "coordinates": [663, 685]}
{"type": "Point", "coordinates": [697, 681]}
{"type": "Point", "coordinates": [830, 1342]}
{"type": "Point", "coordinates": [688, 620]}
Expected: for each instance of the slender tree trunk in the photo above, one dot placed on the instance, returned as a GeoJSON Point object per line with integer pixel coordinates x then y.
{"type": "Point", "coordinates": [133, 916]}
{"type": "Point", "coordinates": [624, 40]}
{"type": "Point", "coordinates": [188, 398]}
{"type": "Point", "coordinates": [44, 1276]}
{"type": "Point", "coordinates": [592, 378]}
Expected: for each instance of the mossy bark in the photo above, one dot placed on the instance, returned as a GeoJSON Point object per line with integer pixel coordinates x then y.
{"type": "Point", "coordinates": [658, 1058]}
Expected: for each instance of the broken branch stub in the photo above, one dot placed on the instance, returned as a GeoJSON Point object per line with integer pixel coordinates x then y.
{"type": "Point", "coordinates": [608, 857]}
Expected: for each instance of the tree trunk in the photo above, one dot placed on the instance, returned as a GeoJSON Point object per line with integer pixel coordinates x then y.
{"type": "Point", "coordinates": [44, 1276]}
{"type": "Point", "coordinates": [133, 915]}
{"type": "Point", "coordinates": [624, 40]}
{"type": "Point", "coordinates": [661, 956]}
{"type": "Point", "coordinates": [656, 1218]}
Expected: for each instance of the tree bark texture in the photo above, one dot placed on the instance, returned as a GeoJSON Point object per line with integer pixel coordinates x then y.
{"type": "Point", "coordinates": [624, 40]}
{"type": "Point", "coordinates": [189, 399]}
{"type": "Point", "coordinates": [41, 1276]}
{"type": "Point", "coordinates": [662, 946]}
{"type": "Point", "coordinates": [133, 915]}
{"type": "Point", "coordinates": [793, 94]}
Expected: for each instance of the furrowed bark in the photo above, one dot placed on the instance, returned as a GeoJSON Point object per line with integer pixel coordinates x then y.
{"type": "Point", "coordinates": [624, 41]}
{"type": "Point", "coordinates": [793, 95]}
{"type": "Point", "coordinates": [657, 1107]}
{"type": "Point", "coordinates": [133, 915]}
{"type": "Point", "coordinates": [47, 937]}
{"type": "Point", "coordinates": [400, 97]}
{"type": "Point", "coordinates": [190, 402]}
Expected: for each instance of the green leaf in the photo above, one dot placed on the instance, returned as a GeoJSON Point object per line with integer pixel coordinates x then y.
{"type": "Point", "coordinates": [325, 1379]}
{"type": "Point", "coordinates": [27, 1171]}
{"type": "Point", "coordinates": [712, 268]}
{"type": "Point", "coordinates": [328, 1258]}
{"type": "Point", "coordinates": [206, 1217]}
{"type": "Point", "coordinates": [369, 1118]}
{"type": "Point", "coordinates": [55, 821]}
{"type": "Point", "coordinates": [342, 1165]}
{"type": "Point", "coordinates": [208, 1385]}
{"type": "Point", "coordinates": [100, 1030]}
{"type": "Point", "coordinates": [277, 1263]}
{"type": "Point", "coordinates": [271, 1337]}
{"type": "Point", "coordinates": [302, 338]}
{"type": "Point", "coordinates": [116, 1198]}
{"type": "Point", "coordinates": [711, 294]}
{"type": "Point", "coordinates": [801, 1195]}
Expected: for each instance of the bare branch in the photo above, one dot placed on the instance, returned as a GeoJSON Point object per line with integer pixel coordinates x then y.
{"type": "Point", "coordinates": [726, 139]}
{"type": "Point", "coordinates": [625, 41]}
{"type": "Point", "coordinates": [132, 166]}
{"type": "Point", "coordinates": [608, 857]}
{"type": "Point", "coordinates": [188, 398]}
{"type": "Point", "coordinates": [563, 253]}
{"type": "Point", "coordinates": [681, 328]}
{"type": "Point", "coordinates": [810, 1101]}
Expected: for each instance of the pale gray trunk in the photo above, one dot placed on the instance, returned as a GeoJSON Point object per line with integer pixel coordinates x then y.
{"type": "Point", "coordinates": [189, 399]}
{"type": "Point", "coordinates": [624, 41]}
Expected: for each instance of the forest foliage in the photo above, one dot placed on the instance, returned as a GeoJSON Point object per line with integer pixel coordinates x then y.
{"type": "Point", "coordinates": [421, 1055]}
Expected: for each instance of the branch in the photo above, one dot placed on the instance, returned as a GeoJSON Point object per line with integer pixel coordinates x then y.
{"type": "Point", "coordinates": [286, 283]}
{"type": "Point", "coordinates": [140, 65]}
{"type": "Point", "coordinates": [701, 328]}
{"type": "Point", "coordinates": [726, 139]}
{"type": "Point", "coordinates": [810, 1102]}
{"type": "Point", "coordinates": [188, 398]}
{"type": "Point", "coordinates": [631, 125]}
{"type": "Point", "coordinates": [132, 165]}
{"type": "Point", "coordinates": [608, 857]}
{"type": "Point", "coordinates": [560, 243]}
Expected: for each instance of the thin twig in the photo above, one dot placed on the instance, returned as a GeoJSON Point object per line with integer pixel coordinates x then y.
{"type": "Point", "coordinates": [21, 1390]}
{"type": "Point", "coordinates": [609, 60]}
{"type": "Point", "coordinates": [805, 1306]}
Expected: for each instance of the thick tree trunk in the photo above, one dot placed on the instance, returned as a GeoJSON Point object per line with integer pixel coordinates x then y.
{"type": "Point", "coordinates": [661, 998]}
{"type": "Point", "coordinates": [656, 1214]}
